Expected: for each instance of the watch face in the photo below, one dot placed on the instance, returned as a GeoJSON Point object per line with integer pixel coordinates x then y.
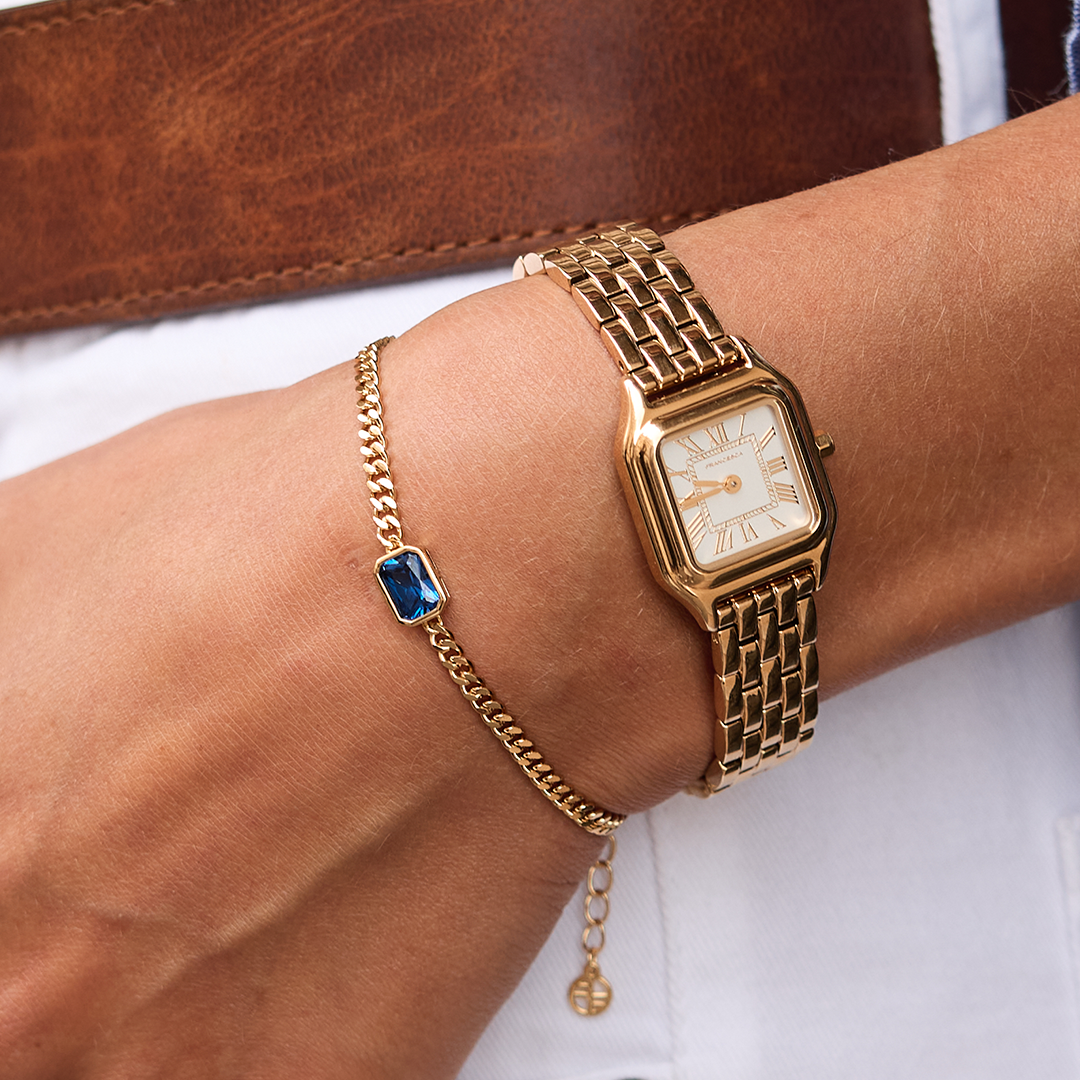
{"type": "Point", "coordinates": [738, 485]}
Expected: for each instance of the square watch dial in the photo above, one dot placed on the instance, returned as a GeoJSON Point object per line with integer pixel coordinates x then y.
{"type": "Point", "coordinates": [738, 484]}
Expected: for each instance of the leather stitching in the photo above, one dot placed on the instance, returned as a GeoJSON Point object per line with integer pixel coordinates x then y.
{"type": "Point", "coordinates": [325, 268]}
{"type": "Point", "coordinates": [328, 267]}
{"type": "Point", "coordinates": [41, 25]}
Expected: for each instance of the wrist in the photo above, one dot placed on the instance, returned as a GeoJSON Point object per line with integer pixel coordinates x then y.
{"type": "Point", "coordinates": [501, 417]}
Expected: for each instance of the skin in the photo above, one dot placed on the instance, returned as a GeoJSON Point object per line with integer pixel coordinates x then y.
{"type": "Point", "coordinates": [248, 828]}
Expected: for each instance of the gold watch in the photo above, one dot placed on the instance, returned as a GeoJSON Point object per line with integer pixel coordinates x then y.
{"type": "Point", "coordinates": [725, 481]}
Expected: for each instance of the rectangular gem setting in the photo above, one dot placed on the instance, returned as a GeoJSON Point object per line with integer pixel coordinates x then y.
{"type": "Point", "coordinates": [409, 583]}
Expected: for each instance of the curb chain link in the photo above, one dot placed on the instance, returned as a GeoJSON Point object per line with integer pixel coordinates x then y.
{"type": "Point", "coordinates": [376, 467]}
{"type": "Point", "coordinates": [591, 993]}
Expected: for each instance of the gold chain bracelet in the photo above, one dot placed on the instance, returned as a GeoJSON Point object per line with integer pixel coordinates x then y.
{"type": "Point", "coordinates": [417, 596]}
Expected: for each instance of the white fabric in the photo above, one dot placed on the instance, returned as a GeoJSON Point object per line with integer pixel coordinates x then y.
{"type": "Point", "coordinates": [892, 905]}
{"type": "Point", "coordinates": [902, 901]}
{"type": "Point", "coordinates": [971, 66]}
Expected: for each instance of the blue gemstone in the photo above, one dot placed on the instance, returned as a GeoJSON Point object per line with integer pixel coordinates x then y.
{"type": "Point", "coordinates": [409, 586]}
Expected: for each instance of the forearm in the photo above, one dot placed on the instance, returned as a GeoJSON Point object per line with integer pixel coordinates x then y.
{"type": "Point", "coordinates": [930, 315]}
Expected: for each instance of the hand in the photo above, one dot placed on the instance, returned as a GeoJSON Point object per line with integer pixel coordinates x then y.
{"type": "Point", "coordinates": [239, 799]}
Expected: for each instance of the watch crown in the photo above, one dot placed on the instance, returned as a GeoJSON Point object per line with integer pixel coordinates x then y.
{"type": "Point", "coordinates": [824, 442]}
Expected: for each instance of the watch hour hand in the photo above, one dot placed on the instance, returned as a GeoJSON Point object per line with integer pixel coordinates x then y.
{"type": "Point", "coordinates": [706, 489]}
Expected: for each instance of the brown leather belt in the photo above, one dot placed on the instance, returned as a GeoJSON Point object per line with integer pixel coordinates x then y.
{"type": "Point", "coordinates": [165, 155]}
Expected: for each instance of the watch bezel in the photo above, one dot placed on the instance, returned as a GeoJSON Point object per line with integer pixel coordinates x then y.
{"type": "Point", "coordinates": [646, 424]}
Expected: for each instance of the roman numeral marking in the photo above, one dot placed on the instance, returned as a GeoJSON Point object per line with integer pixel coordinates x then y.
{"type": "Point", "coordinates": [776, 464]}
{"type": "Point", "coordinates": [717, 435]}
{"type": "Point", "coordinates": [748, 533]}
{"type": "Point", "coordinates": [786, 493]}
{"type": "Point", "coordinates": [767, 437]}
{"type": "Point", "coordinates": [696, 529]}
{"type": "Point", "coordinates": [689, 445]}
{"type": "Point", "coordinates": [776, 524]}
{"type": "Point", "coordinates": [723, 542]}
